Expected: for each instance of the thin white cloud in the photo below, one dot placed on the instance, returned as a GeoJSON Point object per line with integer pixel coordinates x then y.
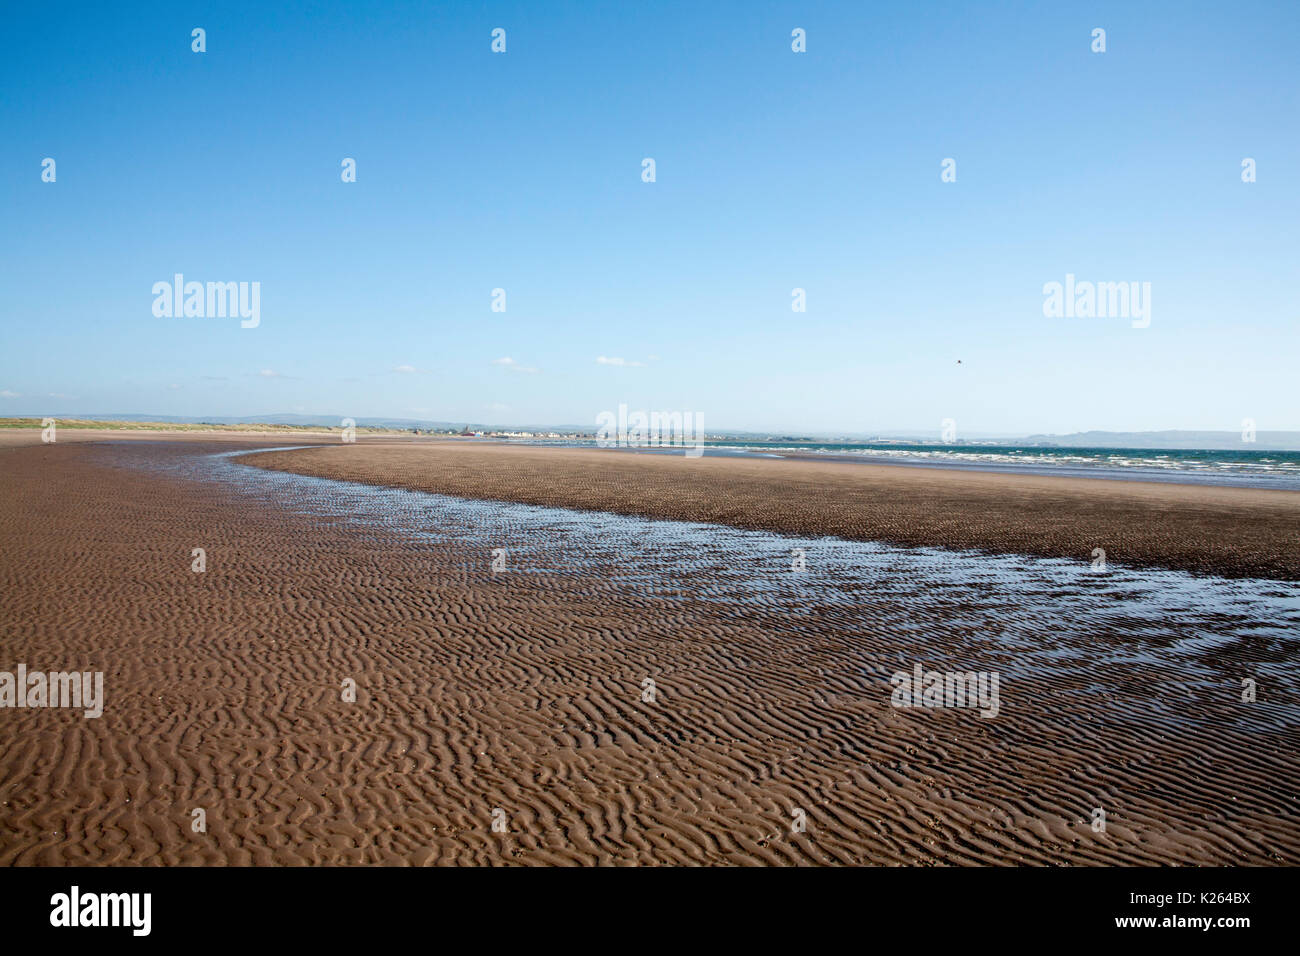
{"type": "Point", "coordinates": [618, 362]}
{"type": "Point", "coordinates": [8, 394]}
{"type": "Point", "coordinates": [410, 370]}
{"type": "Point", "coordinates": [512, 365]}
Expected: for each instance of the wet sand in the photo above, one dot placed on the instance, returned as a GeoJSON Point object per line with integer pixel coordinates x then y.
{"type": "Point", "coordinates": [1238, 532]}
{"type": "Point", "coordinates": [523, 691]}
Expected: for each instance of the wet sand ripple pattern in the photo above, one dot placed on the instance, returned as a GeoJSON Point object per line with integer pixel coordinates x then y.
{"type": "Point", "coordinates": [522, 690]}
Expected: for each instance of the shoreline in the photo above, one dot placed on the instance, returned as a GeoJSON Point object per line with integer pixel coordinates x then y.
{"type": "Point", "coordinates": [1184, 474]}
{"type": "Point", "coordinates": [1208, 529]}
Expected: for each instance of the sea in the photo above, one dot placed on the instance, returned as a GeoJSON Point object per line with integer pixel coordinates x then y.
{"type": "Point", "coordinates": [1245, 467]}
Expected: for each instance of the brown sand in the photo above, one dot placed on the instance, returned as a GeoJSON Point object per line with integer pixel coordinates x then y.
{"type": "Point", "coordinates": [1228, 531]}
{"type": "Point", "coordinates": [523, 692]}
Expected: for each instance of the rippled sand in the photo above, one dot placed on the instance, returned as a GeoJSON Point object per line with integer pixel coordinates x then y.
{"type": "Point", "coordinates": [522, 690]}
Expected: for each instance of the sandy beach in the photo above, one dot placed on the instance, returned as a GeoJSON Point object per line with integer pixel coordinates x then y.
{"type": "Point", "coordinates": [520, 695]}
{"type": "Point", "coordinates": [1226, 531]}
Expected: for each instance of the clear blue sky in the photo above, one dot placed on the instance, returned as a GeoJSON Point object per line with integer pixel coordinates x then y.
{"type": "Point", "coordinates": [775, 170]}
